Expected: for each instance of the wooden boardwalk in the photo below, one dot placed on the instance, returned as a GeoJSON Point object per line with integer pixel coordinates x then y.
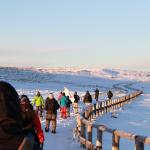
{"type": "Point", "coordinates": [85, 125]}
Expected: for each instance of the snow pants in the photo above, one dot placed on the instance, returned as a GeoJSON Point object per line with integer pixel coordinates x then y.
{"type": "Point", "coordinates": [68, 112]}
{"type": "Point", "coordinates": [75, 107]}
{"type": "Point", "coordinates": [51, 119]}
{"type": "Point", "coordinates": [39, 110]}
{"type": "Point", "coordinates": [63, 111]}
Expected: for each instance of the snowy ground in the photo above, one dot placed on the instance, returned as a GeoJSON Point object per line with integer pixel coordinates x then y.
{"type": "Point", "coordinates": [133, 118]}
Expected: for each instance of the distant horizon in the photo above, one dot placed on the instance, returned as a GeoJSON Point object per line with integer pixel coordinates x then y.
{"type": "Point", "coordinates": [76, 67]}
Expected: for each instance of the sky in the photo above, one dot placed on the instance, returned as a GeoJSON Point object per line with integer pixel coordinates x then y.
{"type": "Point", "coordinates": [75, 33]}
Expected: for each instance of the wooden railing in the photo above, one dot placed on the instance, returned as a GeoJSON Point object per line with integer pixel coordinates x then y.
{"type": "Point", "coordinates": [85, 126]}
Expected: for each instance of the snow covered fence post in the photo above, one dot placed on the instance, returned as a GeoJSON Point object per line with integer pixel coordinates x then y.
{"type": "Point", "coordinates": [115, 141]}
{"type": "Point", "coordinates": [83, 133]}
{"type": "Point", "coordinates": [99, 139]}
{"type": "Point", "coordinates": [89, 132]}
{"type": "Point", "coordinates": [79, 124]}
{"type": "Point", "coordinates": [138, 144]}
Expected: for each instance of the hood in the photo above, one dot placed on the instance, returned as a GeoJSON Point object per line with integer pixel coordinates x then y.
{"type": "Point", "coordinates": [10, 112]}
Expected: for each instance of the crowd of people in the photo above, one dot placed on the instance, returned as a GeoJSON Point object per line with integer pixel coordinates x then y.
{"type": "Point", "coordinates": [20, 117]}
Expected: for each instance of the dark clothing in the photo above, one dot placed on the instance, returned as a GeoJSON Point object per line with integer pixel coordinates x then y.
{"type": "Point", "coordinates": [10, 118]}
{"type": "Point", "coordinates": [96, 94]}
{"type": "Point", "coordinates": [28, 116]}
{"type": "Point", "coordinates": [77, 98]}
{"type": "Point", "coordinates": [87, 98]}
{"type": "Point", "coordinates": [39, 109]}
{"type": "Point", "coordinates": [51, 106]}
{"type": "Point", "coordinates": [51, 119]}
{"type": "Point", "coordinates": [110, 94]}
{"type": "Point", "coordinates": [11, 123]}
{"type": "Point", "coordinates": [68, 101]}
{"type": "Point", "coordinates": [29, 144]}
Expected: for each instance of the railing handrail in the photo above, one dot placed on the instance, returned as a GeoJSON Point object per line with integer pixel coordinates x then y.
{"type": "Point", "coordinates": [84, 123]}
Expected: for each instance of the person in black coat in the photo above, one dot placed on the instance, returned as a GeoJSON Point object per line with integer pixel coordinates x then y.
{"type": "Point", "coordinates": [76, 100]}
{"type": "Point", "coordinates": [68, 106]}
{"type": "Point", "coordinates": [11, 123]}
{"type": "Point", "coordinates": [96, 94]}
{"type": "Point", "coordinates": [51, 107]}
{"type": "Point", "coordinates": [110, 94]}
{"type": "Point", "coordinates": [87, 98]}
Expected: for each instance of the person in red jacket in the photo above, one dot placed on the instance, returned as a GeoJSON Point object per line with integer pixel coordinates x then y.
{"type": "Point", "coordinates": [31, 121]}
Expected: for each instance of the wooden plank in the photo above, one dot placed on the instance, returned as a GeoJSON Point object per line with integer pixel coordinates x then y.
{"type": "Point", "coordinates": [115, 141]}
{"type": "Point", "coordinates": [99, 139]}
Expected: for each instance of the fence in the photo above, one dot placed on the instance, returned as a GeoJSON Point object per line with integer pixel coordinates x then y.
{"type": "Point", "coordinates": [85, 125]}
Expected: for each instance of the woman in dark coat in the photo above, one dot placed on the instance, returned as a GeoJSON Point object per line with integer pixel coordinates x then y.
{"type": "Point", "coordinates": [110, 94]}
{"type": "Point", "coordinates": [87, 98]}
{"type": "Point", "coordinates": [11, 135]}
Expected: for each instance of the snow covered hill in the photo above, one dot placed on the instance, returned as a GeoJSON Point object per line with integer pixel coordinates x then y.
{"type": "Point", "coordinates": [44, 74]}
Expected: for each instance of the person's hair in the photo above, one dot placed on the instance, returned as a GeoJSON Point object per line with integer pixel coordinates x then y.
{"type": "Point", "coordinates": [63, 94]}
{"type": "Point", "coordinates": [10, 112]}
{"type": "Point", "coordinates": [75, 92]}
{"type": "Point", "coordinates": [24, 99]}
{"type": "Point", "coordinates": [38, 93]}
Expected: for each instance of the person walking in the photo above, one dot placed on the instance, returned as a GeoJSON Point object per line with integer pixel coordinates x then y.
{"type": "Point", "coordinates": [31, 122]}
{"type": "Point", "coordinates": [75, 104]}
{"type": "Point", "coordinates": [96, 94]}
{"type": "Point", "coordinates": [63, 106]}
{"type": "Point", "coordinates": [87, 98]}
{"type": "Point", "coordinates": [109, 94]}
{"type": "Point", "coordinates": [51, 107]}
{"type": "Point", "coordinates": [38, 101]}
{"type": "Point", "coordinates": [60, 96]}
{"type": "Point", "coordinates": [68, 106]}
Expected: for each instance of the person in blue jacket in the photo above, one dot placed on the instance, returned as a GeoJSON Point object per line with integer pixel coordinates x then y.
{"type": "Point", "coordinates": [63, 106]}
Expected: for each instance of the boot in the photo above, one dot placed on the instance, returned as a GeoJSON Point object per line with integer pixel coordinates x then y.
{"type": "Point", "coordinates": [46, 130]}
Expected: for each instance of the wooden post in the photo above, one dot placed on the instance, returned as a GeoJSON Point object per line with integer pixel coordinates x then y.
{"type": "Point", "coordinates": [82, 132]}
{"type": "Point", "coordinates": [99, 139]}
{"type": "Point", "coordinates": [79, 124]}
{"type": "Point", "coordinates": [106, 102]}
{"type": "Point", "coordinates": [89, 134]}
{"type": "Point", "coordinates": [138, 145]}
{"type": "Point", "coordinates": [115, 142]}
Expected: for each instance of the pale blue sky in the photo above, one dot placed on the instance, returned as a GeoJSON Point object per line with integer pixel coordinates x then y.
{"type": "Point", "coordinates": [90, 33]}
